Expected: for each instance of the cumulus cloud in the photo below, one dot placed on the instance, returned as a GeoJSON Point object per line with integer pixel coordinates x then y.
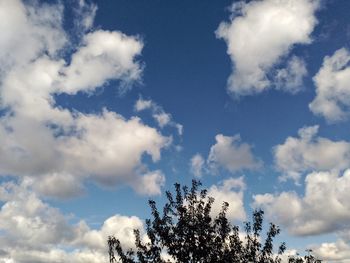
{"type": "Point", "coordinates": [332, 82]}
{"type": "Point", "coordinates": [34, 231]}
{"type": "Point", "coordinates": [231, 191]}
{"type": "Point", "coordinates": [232, 154]}
{"type": "Point", "coordinates": [259, 35]}
{"type": "Point", "coordinates": [338, 251]}
{"type": "Point", "coordinates": [39, 138]}
{"type": "Point", "coordinates": [159, 115]}
{"type": "Point", "coordinates": [324, 208]}
{"type": "Point", "coordinates": [103, 55]}
{"type": "Point", "coordinates": [228, 153]}
{"type": "Point", "coordinates": [310, 153]}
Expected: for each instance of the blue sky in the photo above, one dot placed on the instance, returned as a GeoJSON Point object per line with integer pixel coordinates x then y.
{"type": "Point", "coordinates": [105, 104]}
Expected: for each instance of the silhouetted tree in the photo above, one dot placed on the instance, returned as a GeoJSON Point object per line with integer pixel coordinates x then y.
{"type": "Point", "coordinates": [309, 258]}
{"type": "Point", "coordinates": [187, 233]}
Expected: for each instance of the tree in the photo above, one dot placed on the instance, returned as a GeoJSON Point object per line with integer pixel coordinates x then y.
{"type": "Point", "coordinates": [309, 258]}
{"type": "Point", "coordinates": [186, 232]}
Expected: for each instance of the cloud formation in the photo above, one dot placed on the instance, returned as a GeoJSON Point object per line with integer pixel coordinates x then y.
{"type": "Point", "coordinates": [324, 208]}
{"type": "Point", "coordinates": [291, 78]}
{"type": "Point", "coordinates": [338, 251]}
{"type": "Point", "coordinates": [162, 118]}
{"type": "Point", "coordinates": [34, 231]}
{"type": "Point", "coordinates": [231, 191]}
{"type": "Point", "coordinates": [259, 35]}
{"type": "Point", "coordinates": [332, 82]}
{"type": "Point", "coordinates": [39, 138]}
{"type": "Point", "coordinates": [232, 154]}
{"type": "Point", "coordinates": [228, 153]}
{"type": "Point", "coordinates": [310, 153]}
{"type": "Point", "coordinates": [197, 165]}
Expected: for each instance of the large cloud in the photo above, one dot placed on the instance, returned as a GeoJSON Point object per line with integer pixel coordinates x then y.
{"type": "Point", "coordinates": [310, 153]}
{"type": "Point", "coordinates": [33, 231]}
{"type": "Point", "coordinates": [259, 35]}
{"type": "Point", "coordinates": [324, 207]}
{"type": "Point", "coordinates": [41, 139]}
{"type": "Point", "coordinates": [333, 87]}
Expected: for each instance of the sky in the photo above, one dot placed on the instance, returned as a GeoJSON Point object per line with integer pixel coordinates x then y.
{"type": "Point", "coordinates": [106, 104]}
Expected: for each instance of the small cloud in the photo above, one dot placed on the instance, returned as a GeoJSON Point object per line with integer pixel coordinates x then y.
{"type": "Point", "coordinates": [142, 104]}
{"type": "Point", "coordinates": [197, 164]}
{"type": "Point", "coordinates": [232, 154]}
{"type": "Point", "coordinates": [162, 118]}
{"type": "Point", "coordinates": [150, 183]}
{"type": "Point", "coordinates": [228, 153]}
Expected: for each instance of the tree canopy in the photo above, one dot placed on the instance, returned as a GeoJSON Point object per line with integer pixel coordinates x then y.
{"type": "Point", "coordinates": [186, 232]}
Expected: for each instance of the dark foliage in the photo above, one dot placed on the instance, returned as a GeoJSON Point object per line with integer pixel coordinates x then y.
{"type": "Point", "coordinates": [306, 259]}
{"type": "Point", "coordinates": [186, 231]}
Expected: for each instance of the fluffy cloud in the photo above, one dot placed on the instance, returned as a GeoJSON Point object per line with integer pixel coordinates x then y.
{"type": "Point", "coordinates": [324, 207]}
{"type": "Point", "coordinates": [259, 35]}
{"type": "Point", "coordinates": [310, 153]}
{"type": "Point", "coordinates": [332, 87]}
{"type": "Point", "coordinates": [232, 154]}
{"type": "Point", "coordinates": [103, 55]}
{"type": "Point", "coordinates": [338, 251]}
{"type": "Point", "coordinates": [28, 30]}
{"type": "Point", "coordinates": [159, 115]}
{"type": "Point", "coordinates": [151, 183]}
{"type": "Point", "coordinates": [40, 139]}
{"type": "Point", "coordinates": [229, 153]}
{"type": "Point", "coordinates": [231, 191]}
{"type": "Point", "coordinates": [34, 231]}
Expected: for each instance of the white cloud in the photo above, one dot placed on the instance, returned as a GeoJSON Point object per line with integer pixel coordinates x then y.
{"type": "Point", "coordinates": [159, 115]}
{"type": "Point", "coordinates": [28, 30]}
{"type": "Point", "coordinates": [332, 82]}
{"type": "Point", "coordinates": [151, 183]}
{"type": "Point", "coordinates": [197, 165]}
{"type": "Point", "coordinates": [324, 207]}
{"type": "Point", "coordinates": [338, 251]}
{"type": "Point", "coordinates": [39, 138]}
{"type": "Point", "coordinates": [231, 191]}
{"type": "Point", "coordinates": [142, 104]}
{"type": "Point", "coordinates": [291, 78]}
{"type": "Point", "coordinates": [59, 185]}
{"type": "Point", "coordinates": [103, 55]}
{"type": "Point", "coordinates": [162, 118]}
{"type": "Point", "coordinates": [87, 13]}
{"type": "Point", "coordinates": [232, 154]}
{"type": "Point", "coordinates": [34, 231]}
{"type": "Point", "coordinates": [228, 153]}
{"type": "Point", "coordinates": [259, 35]}
{"type": "Point", "coordinates": [310, 153]}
